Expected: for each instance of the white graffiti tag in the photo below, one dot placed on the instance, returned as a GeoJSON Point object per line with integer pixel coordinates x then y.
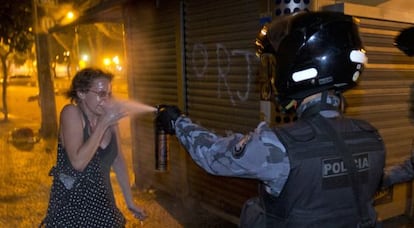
{"type": "Point", "coordinates": [200, 66]}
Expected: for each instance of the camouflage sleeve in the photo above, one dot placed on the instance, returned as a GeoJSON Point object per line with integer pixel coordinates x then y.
{"type": "Point", "coordinates": [399, 173]}
{"type": "Point", "coordinates": [257, 155]}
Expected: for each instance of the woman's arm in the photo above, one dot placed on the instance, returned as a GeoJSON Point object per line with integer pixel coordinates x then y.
{"type": "Point", "coordinates": [71, 126]}
{"type": "Point", "coordinates": [79, 152]}
{"type": "Point", "coordinates": [121, 171]}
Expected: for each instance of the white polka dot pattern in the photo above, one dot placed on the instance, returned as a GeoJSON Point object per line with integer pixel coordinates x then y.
{"type": "Point", "coordinates": [90, 203]}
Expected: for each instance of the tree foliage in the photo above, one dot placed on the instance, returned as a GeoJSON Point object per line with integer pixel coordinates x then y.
{"type": "Point", "coordinates": [16, 36]}
{"type": "Point", "coordinates": [16, 31]}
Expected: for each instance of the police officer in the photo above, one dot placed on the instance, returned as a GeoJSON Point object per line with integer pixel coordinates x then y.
{"type": "Point", "coordinates": [319, 171]}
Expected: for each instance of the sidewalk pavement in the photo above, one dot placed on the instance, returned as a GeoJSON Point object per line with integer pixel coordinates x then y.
{"type": "Point", "coordinates": [25, 185]}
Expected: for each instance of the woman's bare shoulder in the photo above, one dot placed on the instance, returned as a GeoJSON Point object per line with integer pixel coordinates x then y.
{"type": "Point", "coordinates": [70, 111]}
{"type": "Point", "coordinates": [69, 108]}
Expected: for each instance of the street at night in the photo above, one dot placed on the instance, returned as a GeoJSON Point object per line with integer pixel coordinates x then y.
{"type": "Point", "coordinates": [194, 113]}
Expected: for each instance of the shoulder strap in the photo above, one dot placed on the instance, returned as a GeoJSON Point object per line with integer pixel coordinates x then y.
{"type": "Point", "coordinates": [87, 124]}
{"type": "Point", "coordinates": [349, 163]}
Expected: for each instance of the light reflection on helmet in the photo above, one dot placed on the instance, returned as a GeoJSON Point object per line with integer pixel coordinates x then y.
{"type": "Point", "coordinates": [314, 52]}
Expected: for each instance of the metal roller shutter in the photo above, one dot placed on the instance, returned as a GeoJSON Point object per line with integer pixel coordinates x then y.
{"type": "Point", "coordinates": [151, 44]}
{"type": "Point", "coordinates": [383, 97]}
{"type": "Point", "coordinates": [383, 94]}
{"type": "Point", "coordinates": [221, 86]}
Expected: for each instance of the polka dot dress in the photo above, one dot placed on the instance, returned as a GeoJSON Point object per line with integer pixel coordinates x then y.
{"type": "Point", "coordinates": [88, 203]}
{"type": "Point", "coordinates": [83, 199]}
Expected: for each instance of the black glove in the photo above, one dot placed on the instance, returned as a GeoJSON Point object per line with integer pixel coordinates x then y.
{"type": "Point", "coordinates": [166, 116]}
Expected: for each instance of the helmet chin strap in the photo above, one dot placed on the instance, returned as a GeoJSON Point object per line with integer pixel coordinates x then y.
{"type": "Point", "coordinates": [342, 101]}
{"type": "Point", "coordinates": [324, 98]}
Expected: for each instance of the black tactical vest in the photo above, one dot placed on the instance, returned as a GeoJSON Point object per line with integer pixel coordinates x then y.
{"type": "Point", "coordinates": [318, 192]}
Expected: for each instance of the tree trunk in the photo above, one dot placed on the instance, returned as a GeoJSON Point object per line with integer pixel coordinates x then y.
{"type": "Point", "coordinates": [46, 88]}
{"type": "Point", "coordinates": [4, 86]}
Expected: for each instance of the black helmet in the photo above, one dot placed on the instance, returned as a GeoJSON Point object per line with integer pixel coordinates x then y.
{"type": "Point", "coordinates": [405, 41]}
{"type": "Point", "coordinates": [314, 52]}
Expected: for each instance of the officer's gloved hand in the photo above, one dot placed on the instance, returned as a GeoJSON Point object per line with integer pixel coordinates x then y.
{"type": "Point", "coordinates": [166, 116]}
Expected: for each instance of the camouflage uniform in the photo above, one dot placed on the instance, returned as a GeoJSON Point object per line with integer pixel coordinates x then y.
{"type": "Point", "coordinates": [258, 155]}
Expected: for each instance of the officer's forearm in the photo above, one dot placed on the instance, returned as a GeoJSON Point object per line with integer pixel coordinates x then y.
{"type": "Point", "coordinates": [399, 173]}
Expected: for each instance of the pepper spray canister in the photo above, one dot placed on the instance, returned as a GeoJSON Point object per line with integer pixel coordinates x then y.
{"type": "Point", "coordinates": [161, 145]}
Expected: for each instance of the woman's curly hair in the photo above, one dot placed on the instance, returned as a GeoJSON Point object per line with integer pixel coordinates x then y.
{"type": "Point", "coordinates": [82, 81]}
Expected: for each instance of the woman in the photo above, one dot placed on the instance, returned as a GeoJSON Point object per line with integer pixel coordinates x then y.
{"type": "Point", "coordinates": [88, 147]}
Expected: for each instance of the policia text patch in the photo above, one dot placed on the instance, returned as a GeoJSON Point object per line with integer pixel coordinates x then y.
{"type": "Point", "coordinates": [335, 174]}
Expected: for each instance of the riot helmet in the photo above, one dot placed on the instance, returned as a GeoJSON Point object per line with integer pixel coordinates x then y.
{"type": "Point", "coordinates": [314, 52]}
